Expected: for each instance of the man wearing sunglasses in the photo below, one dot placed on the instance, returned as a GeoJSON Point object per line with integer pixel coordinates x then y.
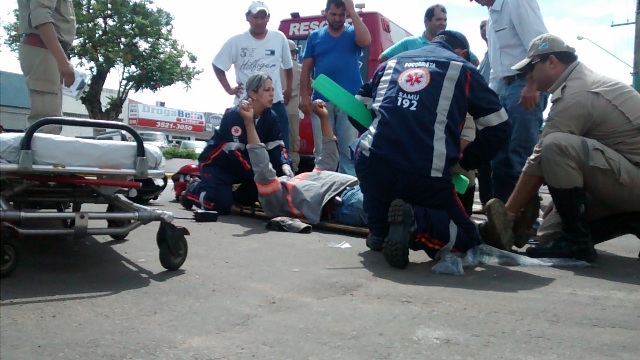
{"type": "Point", "coordinates": [588, 155]}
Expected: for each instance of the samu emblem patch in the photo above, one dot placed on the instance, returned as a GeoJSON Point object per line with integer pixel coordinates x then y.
{"type": "Point", "coordinates": [415, 79]}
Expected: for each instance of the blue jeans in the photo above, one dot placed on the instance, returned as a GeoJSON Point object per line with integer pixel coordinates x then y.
{"type": "Point", "coordinates": [351, 212]}
{"type": "Point", "coordinates": [345, 133]}
{"type": "Point", "coordinates": [525, 129]}
{"type": "Point", "coordinates": [283, 121]}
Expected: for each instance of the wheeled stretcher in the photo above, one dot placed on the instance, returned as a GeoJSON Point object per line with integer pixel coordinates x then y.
{"type": "Point", "coordinates": [48, 178]}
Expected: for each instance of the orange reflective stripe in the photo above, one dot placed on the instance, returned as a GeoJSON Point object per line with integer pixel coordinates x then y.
{"type": "Point", "coordinates": [211, 156]}
{"type": "Point", "coordinates": [269, 188]}
{"type": "Point", "coordinates": [192, 197]}
{"type": "Point", "coordinates": [289, 185]}
{"type": "Point", "coordinates": [243, 162]}
{"type": "Point", "coordinates": [214, 153]}
{"type": "Point", "coordinates": [298, 178]}
{"type": "Point", "coordinates": [428, 241]}
{"type": "Point", "coordinates": [208, 205]}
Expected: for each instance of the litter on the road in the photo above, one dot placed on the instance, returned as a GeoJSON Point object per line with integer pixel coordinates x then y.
{"type": "Point", "coordinates": [451, 264]}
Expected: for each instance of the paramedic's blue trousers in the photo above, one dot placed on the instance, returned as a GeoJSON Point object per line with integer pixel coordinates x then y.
{"type": "Point", "coordinates": [381, 183]}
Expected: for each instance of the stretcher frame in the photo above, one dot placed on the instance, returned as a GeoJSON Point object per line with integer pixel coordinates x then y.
{"type": "Point", "coordinates": [56, 192]}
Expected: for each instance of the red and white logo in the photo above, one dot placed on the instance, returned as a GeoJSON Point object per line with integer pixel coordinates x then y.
{"type": "Point", "coordinates": [236, 131]}
{"type": "Point", "coordinates": [413, 80]}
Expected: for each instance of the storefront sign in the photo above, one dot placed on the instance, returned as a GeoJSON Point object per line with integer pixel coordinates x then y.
{"type": "Point", "coordinates": [165, 118]}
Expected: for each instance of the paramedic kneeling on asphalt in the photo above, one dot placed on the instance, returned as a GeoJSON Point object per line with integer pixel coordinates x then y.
{"type": "Point", "coordinates": [588, 153]}
{"type": "Point", "coordinates": [419, 100]}
{"type": "Point", "coordinates": [225, 160]}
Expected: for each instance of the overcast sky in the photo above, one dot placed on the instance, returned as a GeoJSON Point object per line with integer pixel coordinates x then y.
{"type": "Point", "coordinates": [202, 26]}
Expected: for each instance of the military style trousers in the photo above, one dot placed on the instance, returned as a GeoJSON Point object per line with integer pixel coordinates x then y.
{"type": "Point", "coordinates": [43, 81]}
{"type": "Point", "coordinates": [612, 182]}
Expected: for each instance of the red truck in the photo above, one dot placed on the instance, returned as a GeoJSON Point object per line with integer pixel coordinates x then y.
{"type": "Point", "coordinates": [384, 33]}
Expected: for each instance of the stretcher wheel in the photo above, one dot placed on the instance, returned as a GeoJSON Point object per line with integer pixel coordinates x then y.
{"type": "Point", "coordinates": [170, 260]}
{"type": "Point", "coordinates": [9, 254]}
{"type": "Point", "coordinates": [117, 224]}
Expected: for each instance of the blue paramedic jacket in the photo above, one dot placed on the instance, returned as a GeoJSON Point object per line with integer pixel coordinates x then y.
{"type": "Point", "coordinates": [419, 100]}
{"type": "Point", "coordinates": [227, 146]}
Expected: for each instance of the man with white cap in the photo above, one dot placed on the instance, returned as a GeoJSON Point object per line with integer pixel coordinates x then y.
{"type": "Point", "coordinates": [258, 50]}
{"type": "Point", "coordinates": [588, 155]}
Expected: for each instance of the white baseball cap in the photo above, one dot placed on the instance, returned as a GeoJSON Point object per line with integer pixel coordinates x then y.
{"type": "Point", "coordinates": [257, 6]}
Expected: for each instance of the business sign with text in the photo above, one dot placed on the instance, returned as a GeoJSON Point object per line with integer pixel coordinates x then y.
{"type": "Point", "coordinates": [163, 118]}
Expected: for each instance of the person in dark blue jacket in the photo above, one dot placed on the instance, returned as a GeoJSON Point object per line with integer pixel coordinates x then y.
{"type": "Point", "coordinates": [419, 100]}
{"type": "Point", "coordinates": [225, 160]}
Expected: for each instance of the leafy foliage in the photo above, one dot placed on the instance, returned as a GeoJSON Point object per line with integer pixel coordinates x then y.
{"type": "Point", "coordinates": [176, 153]}
{"type": "Point", "coordinates": [130, 38]}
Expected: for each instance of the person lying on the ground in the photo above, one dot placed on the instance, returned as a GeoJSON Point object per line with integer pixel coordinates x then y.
{"type": "Point", "coordinates": [225, 161]}
{"type": "Point", "coordinates": [304, 195]}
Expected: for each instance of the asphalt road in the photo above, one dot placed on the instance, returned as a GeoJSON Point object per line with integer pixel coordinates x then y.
{"type": "Point", "coordinates": [248, 293]}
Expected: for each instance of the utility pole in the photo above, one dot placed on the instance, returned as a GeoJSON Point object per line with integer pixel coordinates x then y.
{"type": "Point", "coordinates": [636, 50]}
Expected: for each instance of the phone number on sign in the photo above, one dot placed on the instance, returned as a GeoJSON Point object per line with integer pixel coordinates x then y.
{"type": "Point", "coordinates": [174, 126]}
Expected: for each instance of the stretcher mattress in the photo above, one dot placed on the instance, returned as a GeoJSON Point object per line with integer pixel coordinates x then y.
{"type": "Point", "coordinates": [75, 152]}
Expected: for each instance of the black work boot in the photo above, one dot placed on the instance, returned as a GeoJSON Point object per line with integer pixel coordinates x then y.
{"type": "Point", "coordinates": [395, 247]}
{"type": "Point", "coordinates": [575, 241]}
{"type": "Point", "coordinates": [374, 243]}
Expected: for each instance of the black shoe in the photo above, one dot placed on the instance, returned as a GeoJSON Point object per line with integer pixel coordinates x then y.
{"type": "Point", "coordinates": [581, 249]}
{"type": "Point", "coordinates": [185, 202]}
{"type": "Point", "coordinates": [395, 247]}
{"type": "Point", "coordinates": [374, 243]}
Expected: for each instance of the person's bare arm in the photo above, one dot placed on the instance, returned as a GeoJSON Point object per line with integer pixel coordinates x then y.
{"type": "Point", "coordinates": [527, 187]}
{"type": "Point", "coordinates": [305, 85]}
{"type": "Point", "coordinates": [382, 58]}
{"type": "Point", "coordinates": [246, 112]}
{"type": "Point", "coordinates": [363, 37]}
{"type": "Point", "coordinates": [320, 108]}
{"type": "Point", "coordinates": [48, 35]}
{"type": "Point", "coordinates": [221, 75]}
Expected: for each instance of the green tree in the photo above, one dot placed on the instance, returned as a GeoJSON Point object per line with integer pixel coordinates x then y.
{"type": "Point", "coordinates": [133, 39]}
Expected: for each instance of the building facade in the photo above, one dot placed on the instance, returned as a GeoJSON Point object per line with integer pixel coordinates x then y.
{"type": "Point", "coordinates": [177, 124]}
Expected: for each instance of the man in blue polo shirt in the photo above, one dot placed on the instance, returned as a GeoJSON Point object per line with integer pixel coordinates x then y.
{"type": "Point", "coordinates": [435, 20]}
{"type": "Point", "coordinates": [334, 51]}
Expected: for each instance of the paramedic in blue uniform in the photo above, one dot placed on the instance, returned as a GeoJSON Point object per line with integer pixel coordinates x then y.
{"type": "Point", "coordinates": [419, 100]}
{"type": "Point", "coordinates": [225, 160]}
